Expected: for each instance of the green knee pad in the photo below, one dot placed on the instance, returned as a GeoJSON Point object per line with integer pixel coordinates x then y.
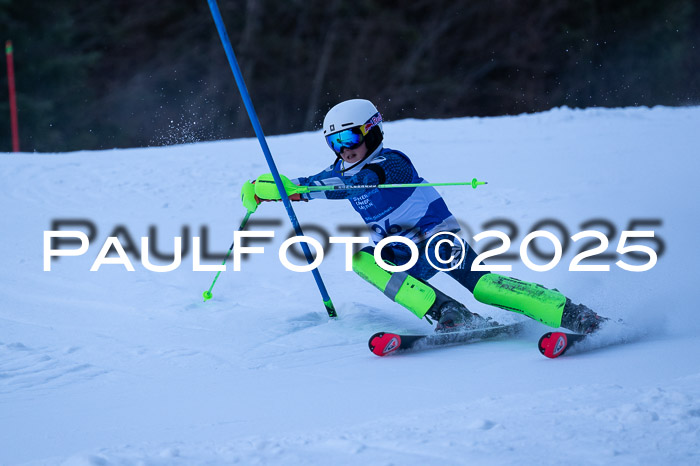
{"type": "Point", "coordinates": [400, 287]}
{"type": "Point", "coordinates": [530, 299]}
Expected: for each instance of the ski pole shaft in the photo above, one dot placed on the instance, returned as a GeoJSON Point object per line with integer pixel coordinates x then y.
{"type": "Point", "coordinates": [207, 294]}
{"type": "Point", "coordinates": [291, 188]}
{"type": "Point", "coordinates": [473, 183]}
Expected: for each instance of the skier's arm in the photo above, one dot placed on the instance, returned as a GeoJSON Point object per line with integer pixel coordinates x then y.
{"type": "Point", "coordinates": [323, 178]}
{"type": "Point", "coordinates": [392, 170]}
{"type": "Point", "coordinates": [363, 177]}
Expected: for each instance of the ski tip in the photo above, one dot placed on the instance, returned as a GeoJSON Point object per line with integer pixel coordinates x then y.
{"type": "Point", "coordinates": [553, 344]}
{"type": "Point", "coordinates": [383, 343]}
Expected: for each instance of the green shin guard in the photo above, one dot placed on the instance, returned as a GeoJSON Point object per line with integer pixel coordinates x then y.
{"type": "Point", "coordinates": [411, 293]}
{"type": "Point", "coordinates": [533, 300]}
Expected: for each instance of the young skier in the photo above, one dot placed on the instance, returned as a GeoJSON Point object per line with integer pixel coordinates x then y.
{"type": "Point", "coordinates": [353, 130]}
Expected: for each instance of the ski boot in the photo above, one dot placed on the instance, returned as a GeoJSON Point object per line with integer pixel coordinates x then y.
{"type": "Point", "coordinates": [580, 318]}
{"type": "Point", "coordinates": [418, 296]}
{"type": "Point", "coordinates": [453, 316]}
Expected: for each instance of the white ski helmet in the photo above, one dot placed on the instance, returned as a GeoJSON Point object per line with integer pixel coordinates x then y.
{"type": "Point", "coordinates": [359, 115]}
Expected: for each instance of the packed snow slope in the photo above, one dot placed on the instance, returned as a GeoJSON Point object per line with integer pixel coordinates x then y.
{"type": "Point", "coordinates": [123, 367]}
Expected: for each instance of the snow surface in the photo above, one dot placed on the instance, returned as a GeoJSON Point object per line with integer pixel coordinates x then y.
{"type": "Point", "coordinates": [118, 367]}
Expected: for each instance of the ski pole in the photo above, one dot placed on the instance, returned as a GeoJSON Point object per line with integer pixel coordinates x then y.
{"type": "Point", "coordinates": [207, 294]}
{"type": "Point", "coordinates": [292, 188]}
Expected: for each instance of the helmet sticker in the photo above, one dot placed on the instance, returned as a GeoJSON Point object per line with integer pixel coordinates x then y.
{"type": "Point", "coordinates": [371, 123]}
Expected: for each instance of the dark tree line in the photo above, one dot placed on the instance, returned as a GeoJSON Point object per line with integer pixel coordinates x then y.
{"type": "Point", "coordinates": [126, 73]}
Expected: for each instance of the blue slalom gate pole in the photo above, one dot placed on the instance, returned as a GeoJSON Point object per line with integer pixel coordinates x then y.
{"type": "Point", "coordinates": [238, 75]}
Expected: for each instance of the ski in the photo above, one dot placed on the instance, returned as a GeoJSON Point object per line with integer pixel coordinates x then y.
{"type": "Point", "coordinates": [554, 344]}
{"type": "Point", "coordinates": [385, 343]}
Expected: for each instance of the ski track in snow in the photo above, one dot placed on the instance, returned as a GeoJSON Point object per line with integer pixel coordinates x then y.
{"type": "Point", "coordinates": [629, 426]}
{"type": "Point", "coordinates": [23, 368]}
{"type": "Point", "coordinates": [121, 368]}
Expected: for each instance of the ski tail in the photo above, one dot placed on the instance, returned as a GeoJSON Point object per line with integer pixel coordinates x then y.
{"type": "Point", "coordinates": [554, 344]}
{"type": "Point", "coordinates": [383, 343]}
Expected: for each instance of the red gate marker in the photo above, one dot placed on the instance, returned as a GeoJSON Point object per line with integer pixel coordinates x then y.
{"type": "Point", "coordinates": [13, 97]}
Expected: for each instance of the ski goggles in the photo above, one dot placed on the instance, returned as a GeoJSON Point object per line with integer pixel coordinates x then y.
{"type": "Point", "coordinates": [352, 138]}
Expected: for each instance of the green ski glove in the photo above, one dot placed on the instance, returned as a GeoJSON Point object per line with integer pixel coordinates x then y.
{"type": "Point", "coordinates": [266, 189]}
{"type": "Point", "coordinates": [250, 200]}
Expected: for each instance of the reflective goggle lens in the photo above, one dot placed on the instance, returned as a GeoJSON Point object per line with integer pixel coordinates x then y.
{"type": "Point", "coordinates": [352, 138]}
{"type": "Point", "coordinates": [348, 139]}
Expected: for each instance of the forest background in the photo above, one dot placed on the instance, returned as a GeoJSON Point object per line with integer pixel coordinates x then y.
{"type": "Point", "coordinates": [128, 73]}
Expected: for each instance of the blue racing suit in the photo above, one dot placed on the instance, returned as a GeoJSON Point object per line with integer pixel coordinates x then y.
{"type": "Point", "coordinates": [415, 213]}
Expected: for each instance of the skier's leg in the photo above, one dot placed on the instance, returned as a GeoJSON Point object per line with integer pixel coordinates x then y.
{"type": "Point", "coordinates": [548, 306]}
{"type": "Point", "coordinates": [411, 290]}
{"type": "Point", "coordinates": [530, 299]}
